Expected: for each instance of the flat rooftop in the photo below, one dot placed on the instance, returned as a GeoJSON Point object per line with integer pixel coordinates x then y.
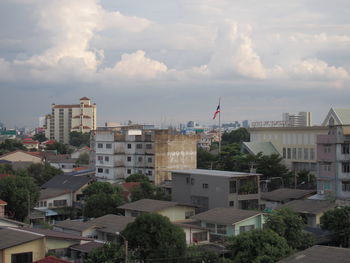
{"type": "Point", "coordinates": [214, 173]}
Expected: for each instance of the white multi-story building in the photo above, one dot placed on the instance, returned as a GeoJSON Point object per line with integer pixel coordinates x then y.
{"type": "Point", "coordinates": [67, 118]}
{"type": "Point", "coordinates": [302, 119]}
{"type": "Point", "coordinates": [123, 151]}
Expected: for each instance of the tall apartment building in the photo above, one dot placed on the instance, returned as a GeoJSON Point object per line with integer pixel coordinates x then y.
{"type": "Point", "coordinates": [127, 150]}
{"type": "Point", "coordinates": [333, 156]}
{"type": "Point", "coordinates": [302, 119]}
{"type": "Point", "coordinates": [208, 189]}
{"type": "Point", "coordinates": [67, 118]}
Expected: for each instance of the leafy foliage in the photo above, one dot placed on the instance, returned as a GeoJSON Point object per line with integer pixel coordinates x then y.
{"type": "Point", "coordinates": [289, 225]}
{"type": "Point", "coordinates": [236, 136]}
{"type": "Point", "coordinates": [111, 252]}
{"type": "Point", "coordinates": [101, 199]}
{"type": "Point", "coordinates": [10, 145]}
{"type": "Point", "coordinates": [60, 148]}
{"type": "Point", "coordinates": [137, 178]}
{"type": "Point", "coordinates": [41, 173]}
{"type": "Point", "coordinates": [152, 236]}
{"type": "Point", "coordinates": [84, 158]}
{"type": "Point", "coordinates": [16, 191]}
{"type": "Point", "coordinates": [196, 255]}
{"type": "Point", "coordinates": [149, 191]}
{"type": "Point", "coordinates": [337, 221]}
{"type": "Point", "coordinates": [258, 246]}
{"type": "Point", "coordinates": [40, 137]}
{"type": "Point", "coordinates": [79, 139]}
{"type": "Point", "coordinates": [6, 169]}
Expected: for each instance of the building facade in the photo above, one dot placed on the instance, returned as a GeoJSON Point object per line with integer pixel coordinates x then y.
{"type": "Point", "coordinates": [210, 189]}
{"type": "Point", "coordinates": [120, 152]}
{"type": "Point", "coordinates": [302, 119]}
{"type": "Point", "coordinates": [67, 118]}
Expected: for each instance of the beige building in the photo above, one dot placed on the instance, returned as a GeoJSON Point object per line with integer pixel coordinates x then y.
{"type": "Point", "coordinates": [120, 152]}
{"type": "Point", "coordinates": [297, 145]}
{"type": "Point", "coordinates": [67, 118]}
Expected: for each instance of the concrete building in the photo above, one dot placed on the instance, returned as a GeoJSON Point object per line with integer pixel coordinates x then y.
{"type": "Point", "coordinates": [210, 189]}
{"type": "Point", "coordinates": [67, 118]}
{"type": "Point", "coordinates": [297, 145]}
{"type": "Point", "coordinates": [127, 150]}
{"type": "Point", "coordinates": [302, 119]}
{"type": "Point", "coordinates": [333, 156]}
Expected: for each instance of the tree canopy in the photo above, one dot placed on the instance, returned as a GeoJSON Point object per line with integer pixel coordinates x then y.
{"type": "Point", "coordinates": [153, 236]}
{"type": "Point", "coordinates": [17, 191]}
{"type": "Point", "coordinates": [10, 145]}
{"type": "Point", "coordinates": [40, 137]}
{"type": "Point", "coordinates": [79, 139]}
{"type": "Point", "coordinates": [258, 246]}
{"type": "Point", "coordinates": [60, 148]}
{"type": "Point", "coordinates": [137, 178]}
{"type": "Point", "coordinates": [337, 221]}
{"type": "Point", "coordinates": [236, 136]}
{"type": "Point", "coordinates": [111, 252]}
{"type": "Point", "coordinates": [41, 173]}
{"type": "Point", "coordinates": [289, 225]}
{"type": "Point", "coordinates": [83, 158]}
{"type": "Point", "coordinates": [149, 191]}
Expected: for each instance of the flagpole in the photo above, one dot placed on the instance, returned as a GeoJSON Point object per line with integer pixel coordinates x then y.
{"type": "Point", "coordinates": [219, 126]}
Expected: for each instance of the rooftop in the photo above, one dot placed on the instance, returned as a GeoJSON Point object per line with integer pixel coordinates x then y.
{"type": "Point", "coordinates": [51, 192]}
{"type": "Point", "coordinates": [266, 148]}
{"type": "Point", "coordinates": [286, 194]}
{"type": "Point", "coordinates": [308, 206]}
{"type": "Point", "coordinates": [87, 247]}
{"type": "Point", "coordinates": [10, 237]}
{"type": "Point", "coordinates": [51, 259]}
{"type": "Point", "coordinates": [68, 182]}
{"type": "Point", "coordinates": [225, 215]}
{"type": "Point", "coordinates": [55, 234]}
{"type": "Point", "coordinates": [319, 254]}
{"type": "Point", "coordinates": [214, 173]}
{"type": "Point", "coordinates": [150, 205]}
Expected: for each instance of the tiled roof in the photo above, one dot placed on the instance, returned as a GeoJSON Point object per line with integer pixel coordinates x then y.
{"type": "Point", "coordinates": [52, 192]}
{"type": "Point", "coordinates": [11, 221]}
{"type": "Point", "coordinates": [49, 142]}
{"type": "Point", "coordinates": [29, 153]}
{"type": "Point", "coordinates": [87, 247]}
{"type": "Point", "coordinates": [266, 148]}
{"type": "Point", "coordinates": [68, 182]}
{"type": "Point", "coordinates": [129, 186]}
{"type": "Point", "coordinates": [214, 173]}
{"type": "Point", "coordinates": [225, 215]}
{"type": "Point", "coordinates": [51, 259]}
{"type": "Point", "coordinates": [10, 237]}
{"type": "Point", "coordinates": [2, 202]}
{"type": "Point", "coordinates": [308, 206]}
{"type": "Point", "coordinates": [56, 234]}
{"type": "Point", "coordinates": [149, 205]}
{"type": "Point", "coordinates": [84, 98]}
{"type": "Point", "coordinates": [285, 194]}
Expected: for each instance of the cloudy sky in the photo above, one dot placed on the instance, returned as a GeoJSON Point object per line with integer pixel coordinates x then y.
{"type": "Point", "coordinates": [170, 60]}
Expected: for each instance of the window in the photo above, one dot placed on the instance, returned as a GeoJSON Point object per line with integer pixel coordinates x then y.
{"type": "Point", "coordinates": [99, 170]}
{"type": "Point", "coordinates": [149, 172]}
{"type": "Point", "coordinates": [129, 145]}
{"type": "Point", "coordinates": [149, 159]}
{"type": "Point", "coordinates": [139, 172]}
{"type": "Point", "coordinates": [26, 257]}
{"type": "Point", "coordinates": [129, 158]}
{"type": "Point", "coordinates": [139, 146]}
{"type": "Point", "coordinates": [100, 158]}
{"type": "Point", "coordinates": [300, 151]}
{"type": "Point", "coordinates": [294, 153]}
{"type": "Point", "coordinates": [99, 145]}
{"type": "Point", "coordinates": [60, 202]}
{"type": "Point", "coordinates": [345, 167]}
{"type": "Point", "coordinates": [140, 159]}
{"type": "Point", "coordinates": [138, 138]}
{"type": "Point", "coordinates": [192, 181]}
{"type": "Point", "coordinates": [327, 148]}
{"type": "Point", "coordinates": [187, 180]}
{"type": "Point", "coordinates": [200, 236]}
{"type": "Point", "coordinates": [109, 146]}
{"type": "Point", "coordinates": [129, 171]}
{"type": "Point", "coordinates": [345, 186]}
{"type": "Point", "coordinates": [306, 154]}
{"type": "Point", "coordinates": [284, 153]}
{"type": "Point", "coordinates": [232, 203]}
{"type": "Point", "coordinates": [312, 153]}
{"type": "Point", "coordinates": [211, 227]}
{"type": "Point", "coordinates": [148, 137]}
{"type": "Point", "coordinates": [106, 158]}
{"type": "Point", "coordinates": [221, 229]}
{"type": "Point", "coordinates": [233, 187]}
{"type": "Point", "coordinates": [134, 213]}
{"type": "Point", "coordinates": [345, 149]}
{"type": "Point", "coordinates": [205, 186]}
{"type": "Point", "coordinates": [189, 214]}
{"type": "Point", "coordinates": [327, 167]}
{"type": "Point", "coordinates": [288, 153]}
{"type": "Point", "coordinates": [246, 228]}
{"type": "Point", "coordinates": [107, 171]}
{"type": "Point", "coordinates": [148, 146]}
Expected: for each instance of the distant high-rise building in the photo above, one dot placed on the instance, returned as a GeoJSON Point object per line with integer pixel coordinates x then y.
{"type": "Point", "coordinates": [67, 118]}
{"type": "Point", "coordinates": [302, 119]}
{"type": "Point", "coordinates": [42, 121]}
{"type": "Point", "coordinates": [245, 124]}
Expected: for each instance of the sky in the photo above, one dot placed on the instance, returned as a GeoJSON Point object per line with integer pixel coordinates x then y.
{"type": "Point", "coordinates": [169, 61]}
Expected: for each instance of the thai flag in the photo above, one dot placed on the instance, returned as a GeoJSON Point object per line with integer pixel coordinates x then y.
{"type": "Point", "coordinates": [217, 111]}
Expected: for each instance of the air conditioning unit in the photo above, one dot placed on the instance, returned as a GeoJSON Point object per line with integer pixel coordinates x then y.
{"type": "Point", "coordinates": [322, 192]}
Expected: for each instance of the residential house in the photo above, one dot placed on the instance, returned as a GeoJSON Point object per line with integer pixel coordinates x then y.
{"type": "Point", "coordinates": [17, 245]}
{"type": "Point", "coordinates": [51, 259]}
{"type": "Point", "coordinates": [195, 234]}
{"type": "Point", "coordinates": [22, 156]}
{"type": "Point", "coordinates": [103, 228]}
{"type": "Point", "coordinates": [275, 198]}
{"type": "Point", "coordinates": [310, 210]}
{"type": "Point", "coordinates": [62, 161]}
{"type": "Point", "coordinates": [2, 208]}
{"type": "Point", "coordinates": [80, 252]}
{"type": "Point", "coordinates": [226, 221]}
{"type": "Point", "coordinates": [333, 156]}
{"type": "Point", "coordinates": [173, 210]}
{"type": "Point", "coordinates": [209, 189]}
{"type": "Point", "coordinates": [127, 188]}
{"type": "Point", "coordinates": [6, 222]}
{"type": "Point", "coordinates": [319, 254]}
{"type": "Point", "coordinates": [29, 143]}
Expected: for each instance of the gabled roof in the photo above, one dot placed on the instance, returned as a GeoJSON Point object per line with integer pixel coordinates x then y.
{"type": "Point", "coordinates": [340, 116]}
{"type": "Point", "coordinates": [308, 206]}
{"type": "Point", "coordinates": [11, 221]}
{"type": "Point", "coordinates": [2, 202]}
{"type": "Point", "coordinates": [225, 215]}
{"type": "Point", "coordinates": [51, 259]}
{"type": "Point", "coordinates": [56, 234]}
{"type": "Point", "coordinates": [286, 194]}
{"type": "Point", "coordinates": [219, 173]}
{"type": "Point", "coordinates": [52, 192]}
{"type": "Point", "coordinates": [68, 182]}
{"type": "Point", "coordinates": [150, 205]}
{"type": "Point", "coordinates": [87, 247]}
{"type": "Point", "coordinates": [254, 148]}
{"type": "Point", "coordinates": [29, 153]}
{"type": "Point", "coordinates": [10, 237]}
{"type": "Point", "coordinates": [319, 254]}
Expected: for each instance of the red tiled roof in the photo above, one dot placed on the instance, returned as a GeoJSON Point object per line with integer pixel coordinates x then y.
{"type": "Point", "coordinates": [5, 175]}
{"type": "Point", "coordinates": [49, 142]}
{"type": "Point", "coordinates": [129, 186]}
{"type": "Point", "coordinates": [2, 202]}
{"type": "Point", "coordinates": [86, 127]}
{"type": "Point", "coordinates": [30, 142]}
{"type": "Point", "coordinates": [51, 259]}
{"type": "Point", "coordinates": [84, 98]}
{"type": "Point", "coordinates": [81, 168]}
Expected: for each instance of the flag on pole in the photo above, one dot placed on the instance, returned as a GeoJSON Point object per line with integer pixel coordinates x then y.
{"type": "Point", "coordinates": [217, 111]}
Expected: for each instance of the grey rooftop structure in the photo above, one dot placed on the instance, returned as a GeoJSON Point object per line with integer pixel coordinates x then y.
{"type": "Point", "coordinates": [265, 148]}
{"type": "Point", "coordinates": [10, 237]}
{"type": "Point", "coordinates": [68, 182]}
{"type": "Point", "coordinates": [309, 206]}
{"type": "Point", "coordinates": [218, 173]}
{"type": "Point", "coordinates": [286, 194]}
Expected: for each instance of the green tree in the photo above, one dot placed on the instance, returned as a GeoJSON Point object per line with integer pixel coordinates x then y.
{"type": "Point", "coordinates": [289, 225]}
{"type": "Point", "coordinates": [237, 136]}
{"type": "Point", "coordinates": [111, 252]}
{"type": "Point", "coordinates": [84, 158]}
{"type": "Point", "coordinates": [205, 160]}
{"type": "Point", "coordinates": [41, 173]}
{"type": "Point", "coordinates": [60, 148]}
{"type": "Point", "coordinates": [258, 246]}
{"type": "Point", "coordinates": [79, 139]}
{"type": "Point", "coordinates": [147, 190]}
{"type": "Point", "coordinates": [101, 199]}
{"type": "Point", "coordinates": [137, 178]}
{"type": "Point", "coordinates": [17, 191]}
{"type": "Point", "coordinates": [152, 236]}
{"type": "Point", "coordinates": [195, 254]}
{"type": "Point", "coordinates": [10, 145]}
{"type": "Point", "coordinates": [40, 137]}
{"type": "Point", "coordinates": [337, 221]}
{"type": "Point", "coordinates": [6, 169]}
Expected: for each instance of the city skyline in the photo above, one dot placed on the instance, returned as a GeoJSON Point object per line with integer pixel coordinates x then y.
{"type": "Point", "coordinates": [159, 60]}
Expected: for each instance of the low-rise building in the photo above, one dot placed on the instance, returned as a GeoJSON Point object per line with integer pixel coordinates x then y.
{"type": "Point", "coordinates": [29, 143]}
{"type": "Point", "coordinates": [195, 234]}
{"type": "Point", "coordinates": [208, 189]}
{"type": "Point", "coordinates": [22, 156]}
